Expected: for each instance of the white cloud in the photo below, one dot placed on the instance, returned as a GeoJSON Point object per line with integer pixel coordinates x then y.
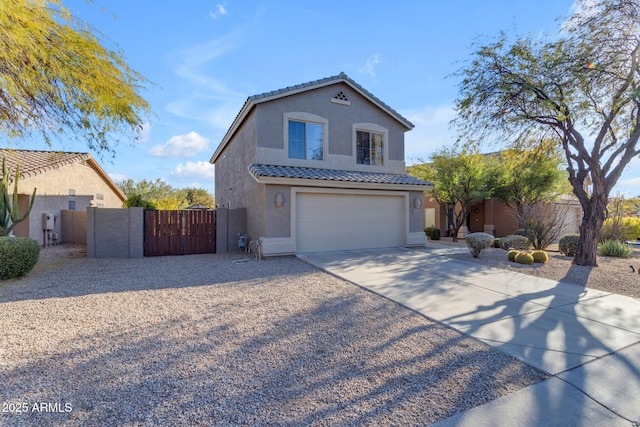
{"type": "Point", "coordinates": [370, 65]}
{"type": "Point", "coordinates": [200, 170]}
{"type": "Point", "coordinates": [431, 132]}
{"type": "Point", "coordinates": [221, 10]}
{"type": "Point", "coordinates": [144, 134]}
{"type": "Point", "coordinates": [187, 145]}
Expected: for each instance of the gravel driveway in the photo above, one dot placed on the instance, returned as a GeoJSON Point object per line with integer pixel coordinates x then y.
{"type": "Point", "coordinates": [207, 340]}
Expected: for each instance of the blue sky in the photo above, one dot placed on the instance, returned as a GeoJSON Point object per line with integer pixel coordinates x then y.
{"type": "Point", "coordinates": [206, 57]}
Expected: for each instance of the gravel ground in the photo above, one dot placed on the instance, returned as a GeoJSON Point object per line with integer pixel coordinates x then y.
{"type": "Point", "coordinates": [612, 274]}
{"type": "Point", "coordinates": [205, 340]}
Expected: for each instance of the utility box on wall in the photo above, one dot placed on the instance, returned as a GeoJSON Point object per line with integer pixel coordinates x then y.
{"type": "Point", "coordinates": [47, 221]}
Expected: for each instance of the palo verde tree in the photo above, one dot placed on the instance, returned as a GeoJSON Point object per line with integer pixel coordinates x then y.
{"type": "Point", "coordinates": [58, 79]}
{"type": "Point", "coordinates": [530, 182]}
{"type": "Point", "coordinates": [458, 178]}
{"type": "Point", "coordinates": [581, 88]}
{"type": "Point", "coordinates": [527, 176]}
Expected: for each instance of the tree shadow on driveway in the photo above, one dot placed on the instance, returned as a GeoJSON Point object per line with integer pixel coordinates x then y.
{"type": "Point", "coordinates": [278, 349]}
{"type": "Point", "coordinates": [572, 336]}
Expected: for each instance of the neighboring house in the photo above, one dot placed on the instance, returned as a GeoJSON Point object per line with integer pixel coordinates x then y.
{"type": "Point", "coordinates": [492, 216]}
{"type": "Point", "coordinates": [63, 181]}
{"type": "Point", "coordinates": [319, 167]}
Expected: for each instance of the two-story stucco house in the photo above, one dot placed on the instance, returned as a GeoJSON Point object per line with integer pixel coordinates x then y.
{"type": "Point", "coordinates": [319, 167]}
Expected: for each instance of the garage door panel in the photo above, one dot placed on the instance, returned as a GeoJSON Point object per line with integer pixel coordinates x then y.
{"type": "Point", "coordinates": [341, 222]}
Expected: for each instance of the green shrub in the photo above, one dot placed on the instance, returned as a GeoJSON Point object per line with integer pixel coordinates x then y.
{"type": "Point", "coordinates": [615, 248]}
{"type": "Point", "coordinates": [18, 255]}
{"type": "Point", "coordinates": [633, 227]}
{"type": "Point", "coordinates": [522, 232]}
{"type": "Point", "coordinates": [568, 244]}
{"type": "Point", "coordinates": [540, 256]}
{"type": "Point", "coordinates": [515, 241]}
{"type": "Point", "coordinates": [524, 258]}
{"type": "Point", "coordinates": [432, 232]}
{"type": "Point", "coordinates": [477, 242]}
{"type": "Point", "coordinates": [496, 243]}
{"type": "Point", "coordinates": [511, 255]}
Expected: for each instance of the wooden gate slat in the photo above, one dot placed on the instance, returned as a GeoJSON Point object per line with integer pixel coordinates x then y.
{"type": "Point", "coordinates": [179, 232]}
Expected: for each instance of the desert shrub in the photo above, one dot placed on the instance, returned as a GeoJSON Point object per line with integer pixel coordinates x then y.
{"type": "Point", "coordinates": [18, 255]}
{"type": "Point", "coordinates": [477, 242]}
{"type": "Point", "coordinates": [615, 248]}
{"type": "Point", "coordinates": [496, 243]}
{"type": "Point", "coordinates": [515, 241]}
{"type": "Point", "coordinates": [521, 232]}
{"type": "Point", "coordinates": [633, 227]}
{"type": "Point", "coordinates": [511, 255]}
{"type": "Point", "coordinates": [432, 232]}
{"type": "Point", "coordinates": [614, 229]}
{"type": "Point", "coordinates": [568, 244]}
{"type": "Point", "coordinates": [524, 258]}
{"type": "Point", "coordinates": [540, 221]}
{"type": "Point", "coordinates": [540, 256]}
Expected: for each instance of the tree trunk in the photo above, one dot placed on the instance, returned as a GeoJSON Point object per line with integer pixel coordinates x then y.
{"type": "Point", "coordinates": [454, 238]}
{"type": "Point", "coordinates": [594, 216]}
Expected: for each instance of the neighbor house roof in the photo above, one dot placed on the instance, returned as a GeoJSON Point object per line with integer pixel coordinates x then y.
{"type": "Point", "coordinates": [304, 87]}
{"type": "Point", "coordinates": [277, 174]}
{"type": "Point", "coordinates": [35, 162]}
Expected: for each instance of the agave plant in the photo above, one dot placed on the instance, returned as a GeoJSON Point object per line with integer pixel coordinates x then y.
{"type": "Point", "coordinates": [615, 248]}
{"type": "Point", "coordinates": [9, 215]}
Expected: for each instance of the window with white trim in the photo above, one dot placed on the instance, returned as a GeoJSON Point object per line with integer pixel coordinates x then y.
{"type": "Point", "coordinates": [369, 147]}
{"type": "Point", "coordinates": [306, 140]}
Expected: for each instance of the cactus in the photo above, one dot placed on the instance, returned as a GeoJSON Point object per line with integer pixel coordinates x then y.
{"type": "Point", "coordinates": [540, 256]}
{"type": "Point", "coordinates": [9, 215]}
{"type": "Point", "coordinates": [524, 258]}
{"type": "Point", "coordinates": [511, 255]}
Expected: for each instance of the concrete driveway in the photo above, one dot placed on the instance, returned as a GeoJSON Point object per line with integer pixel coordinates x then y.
{"type": "Point", "coordinates": [588, 340]}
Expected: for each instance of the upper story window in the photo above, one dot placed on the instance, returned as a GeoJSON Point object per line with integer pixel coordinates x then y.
{"type": "Point", "coordinates": [305, 136]}
{"type": "Point", "coordinates": [369, 148]}
{"type": "Point", "coordinates": [305, 140]}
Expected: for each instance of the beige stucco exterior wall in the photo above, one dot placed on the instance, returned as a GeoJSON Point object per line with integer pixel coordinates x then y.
{"type": "Point", "coordinates": [80, 177]}
{"type": "Point", "coordinates": [53, 195]}
{"type": "Point", "coordinates": [234, 186]}
{"type": "Point", "coordinates": [340, 150]}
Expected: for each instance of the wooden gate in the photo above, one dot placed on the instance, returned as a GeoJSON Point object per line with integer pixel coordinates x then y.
{"type": "Point", "coordinates": [183, 232]}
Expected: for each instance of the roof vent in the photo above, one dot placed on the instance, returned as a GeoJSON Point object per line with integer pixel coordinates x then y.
{"type": "Point", "coordinates": [341, 98]}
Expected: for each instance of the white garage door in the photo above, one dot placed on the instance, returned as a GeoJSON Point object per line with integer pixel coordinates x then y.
{"type": "Point", "coordinates": [326, 222]}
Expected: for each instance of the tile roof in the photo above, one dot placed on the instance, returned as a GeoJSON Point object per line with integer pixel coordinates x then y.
{"type": "Point", "coordinates": [37, 162]}
{"type": "Point", "coordinates": [292, 90]}
{"type": "Point", "coordinates": [328, 80]}
{"type": "Point", "coordinates": [33, 163]}
{"type": "Point", "coordinates": [275, 171]}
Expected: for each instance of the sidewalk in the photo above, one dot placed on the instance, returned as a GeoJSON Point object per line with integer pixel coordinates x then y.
{"type": "Point", "coordinates": [588, 340]}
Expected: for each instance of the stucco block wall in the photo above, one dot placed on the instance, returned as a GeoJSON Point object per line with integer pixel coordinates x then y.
{"type": "Point", "coordinates": [115, 233]}
{"type": "Point", "coordinates": [73, 227]}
